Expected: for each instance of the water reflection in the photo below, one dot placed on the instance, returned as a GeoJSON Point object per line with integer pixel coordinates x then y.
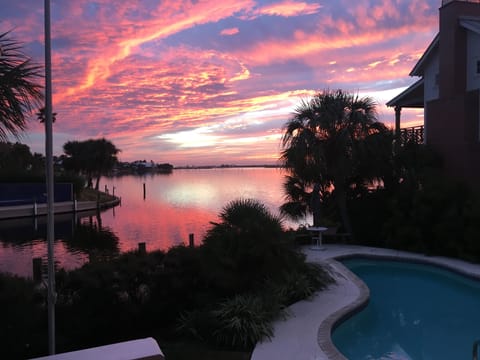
{"type": "Point", "coordinates": [174, 206]}
{"type": "Point", "coordinates": [77, 238]}
{"type": "Point", "coordinates": [90, 237]}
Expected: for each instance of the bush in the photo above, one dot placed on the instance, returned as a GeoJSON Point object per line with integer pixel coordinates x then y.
{"type": "Point", "coordinates": [243, 321]}
{"type": "Point", "coordinates": [248, 261]}
{"type": "Point", "coordinates": [247, 247]}
{"type": "Point", "coordinates": [109, 296]}
{"type": "Point", "coordinates": [24, 318]}
{"type": "Point", "coordinates": [442, 217]}
{"type": "Point", "coordinates": [236, 323]}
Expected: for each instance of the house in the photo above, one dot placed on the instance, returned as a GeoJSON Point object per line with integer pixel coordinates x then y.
{"type": "Point", "coordinates": [448, 90]}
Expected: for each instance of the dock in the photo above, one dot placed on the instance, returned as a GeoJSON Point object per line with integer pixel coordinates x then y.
{"type": "Point", "coordinates": [33, 210]}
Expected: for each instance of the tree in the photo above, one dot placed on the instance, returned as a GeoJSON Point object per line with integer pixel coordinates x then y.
{"type": "Point", "coordinates": [333, 142]}
{"type": "Point", "coordinates": [19, 91]}
{"type": "Point", "coordinates": [42, 116]}
{"type": "Point", "coordinates": [92, 158]}
{"type": "Point", "coordinates": [16, 159]}
{"type": "Point", "coordinates": [246, 247]}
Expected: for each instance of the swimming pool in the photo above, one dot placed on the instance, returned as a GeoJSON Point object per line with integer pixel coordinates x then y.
{"type": "Point", "coordinates": [416, 311]}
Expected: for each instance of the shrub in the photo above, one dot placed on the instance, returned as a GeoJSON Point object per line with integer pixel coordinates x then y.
{"type": "Point", "coordinates": [24, 320]}
{"type": "Point", "coordinates": [238, 322]}
{"type": "Point", "coordinates": [442, 217]}
{"type": "Point", "coordinates": [243, 321]}
{"type": "Point", "coordinates": [247, 247]}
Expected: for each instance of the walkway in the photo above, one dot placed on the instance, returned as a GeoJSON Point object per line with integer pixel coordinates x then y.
{"type": "Point", "coordinates": [305, 335]}
{"type": "Point", "coordinates": [18, 211]}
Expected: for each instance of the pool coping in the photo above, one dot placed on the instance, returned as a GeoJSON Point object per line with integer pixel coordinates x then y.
{"type": "Point", "coordinates": [327, 326]}
{"type": "Point", "coordinates": [334, 317]}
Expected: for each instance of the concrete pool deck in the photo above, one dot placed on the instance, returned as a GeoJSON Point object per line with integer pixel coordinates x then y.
{"type": "Point", "coordinates": [305, 334]}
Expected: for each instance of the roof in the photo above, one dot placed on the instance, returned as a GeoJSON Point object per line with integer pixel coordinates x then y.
{"type": "Point", "coordinates": [419, 68]}
{"type": "Point", "coordinates": [412, 97]}
{"type": "Point", "coordinates": [471, 23]}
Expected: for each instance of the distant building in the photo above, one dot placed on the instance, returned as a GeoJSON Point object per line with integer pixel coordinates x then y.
{"type": "Point", "coordinates": [449, 89]}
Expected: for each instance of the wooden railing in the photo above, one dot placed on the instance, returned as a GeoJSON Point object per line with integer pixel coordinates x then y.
{"type": "Point", "coordinates": [413, 134]}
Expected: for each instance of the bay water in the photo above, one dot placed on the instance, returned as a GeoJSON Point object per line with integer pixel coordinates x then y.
{"type": "Point", "coordinates": [160, 210]}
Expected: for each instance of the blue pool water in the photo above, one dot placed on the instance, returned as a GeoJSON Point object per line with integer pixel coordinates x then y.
{"type": "Point", "coordinates": [416, 312]}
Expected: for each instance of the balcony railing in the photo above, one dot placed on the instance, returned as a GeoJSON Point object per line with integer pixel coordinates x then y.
{"type": "Point", "coordinates": [413, 134]}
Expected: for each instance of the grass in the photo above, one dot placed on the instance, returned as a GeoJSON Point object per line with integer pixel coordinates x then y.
{"type": "Point", "coordinates": [89, 194]}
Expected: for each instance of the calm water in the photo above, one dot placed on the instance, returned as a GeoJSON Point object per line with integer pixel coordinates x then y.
{"type": "Point", "coordinates": [175, 205]}
{"type": "Point", "coordinates": [416, 312]}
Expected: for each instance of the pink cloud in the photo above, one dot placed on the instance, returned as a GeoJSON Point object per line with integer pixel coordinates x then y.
{"type": "Point", "coordinates": [290, 8]}
{"type": "Point", "coordinates": [230, 31]}
{"type": "Point", "coordinates": [133, 71]}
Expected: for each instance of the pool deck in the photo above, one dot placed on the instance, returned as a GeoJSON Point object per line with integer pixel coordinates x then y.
{"type": "Point", "coordinates": [305, 334]}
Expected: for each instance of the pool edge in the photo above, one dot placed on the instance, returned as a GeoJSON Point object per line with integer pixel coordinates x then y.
{"type": "Point", "coordinates": [336, 318]}
{"type": "Point", "coordinates": [327, 326]}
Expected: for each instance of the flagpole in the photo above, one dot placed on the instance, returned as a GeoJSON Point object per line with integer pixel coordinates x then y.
{"type": "Point", "coordinates": [49, 180]}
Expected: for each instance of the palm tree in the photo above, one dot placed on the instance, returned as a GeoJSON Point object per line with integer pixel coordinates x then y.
{"type": "Point", "coordinates": [42, 116]}
{"type": "Point", "coordinates": [246, 247]}
{"type": "Point", "coordinates": [332, 142]}
{"type": "Point", "coordinates": [19, 91]}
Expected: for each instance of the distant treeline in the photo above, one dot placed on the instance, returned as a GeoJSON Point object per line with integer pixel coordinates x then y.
{"type": "Point", "coordinates": [224, 166]}
{"type": "Point", "coordinates": [141, 167]}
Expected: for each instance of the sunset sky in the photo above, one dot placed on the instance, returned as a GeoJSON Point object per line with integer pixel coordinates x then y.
{"type": "Point", "coordinates": [213, 81]}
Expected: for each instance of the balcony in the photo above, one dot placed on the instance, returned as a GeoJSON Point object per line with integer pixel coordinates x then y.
{"type": "Point", "coordinates": [413, 134]}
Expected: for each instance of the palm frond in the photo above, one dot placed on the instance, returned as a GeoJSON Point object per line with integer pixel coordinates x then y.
{"type": "Point", "coordinates": [20, 92]}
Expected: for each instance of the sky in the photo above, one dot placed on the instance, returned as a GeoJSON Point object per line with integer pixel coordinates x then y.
{"type": "Point", "coordinates": [209, 82]}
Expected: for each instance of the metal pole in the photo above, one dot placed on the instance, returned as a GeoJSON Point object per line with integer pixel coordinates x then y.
{"type": "Point", "coordinates": [49, 175]}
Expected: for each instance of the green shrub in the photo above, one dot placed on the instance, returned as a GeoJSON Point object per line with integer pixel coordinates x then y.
{"type": "Point", "coordinates": [242, 321]}
{"type": "Point", "coordinates": [247, 247]}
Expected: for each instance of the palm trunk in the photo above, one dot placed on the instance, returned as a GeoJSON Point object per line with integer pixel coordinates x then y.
{"type": "Point", "coordinates": [97, 183]}
{"type": "Point", "coordinates": [342, 207]}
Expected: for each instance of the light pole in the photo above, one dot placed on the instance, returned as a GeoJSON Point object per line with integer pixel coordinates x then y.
{"type": "Point", "coordinates": [49, 180]}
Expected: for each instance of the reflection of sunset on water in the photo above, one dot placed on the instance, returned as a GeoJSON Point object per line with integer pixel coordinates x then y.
{"type": "Point", "coordinates": [159, 226]}
{"type": "Point", "coordinates": [176, 205]}
{"type": "Point", "coordinates": [183, 203]}
{"type": "Point", "coordinates": [18, 260]}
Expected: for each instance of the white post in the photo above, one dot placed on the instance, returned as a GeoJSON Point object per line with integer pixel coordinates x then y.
{"type": "Point", "coordinates": [49, 173]}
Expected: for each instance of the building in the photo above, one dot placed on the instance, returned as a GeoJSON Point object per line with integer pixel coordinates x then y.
{"type": "Point", "coordinates": [448, 89]}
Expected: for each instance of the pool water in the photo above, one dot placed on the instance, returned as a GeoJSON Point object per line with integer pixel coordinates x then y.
{"type": "Point", "coordinates": [415, 312]}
